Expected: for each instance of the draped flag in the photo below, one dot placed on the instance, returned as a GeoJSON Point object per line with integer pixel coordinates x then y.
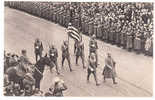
{"type": "Point", "coordinates": [74, 33]}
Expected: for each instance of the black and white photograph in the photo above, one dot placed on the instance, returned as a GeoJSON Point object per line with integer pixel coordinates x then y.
{"type": "Point", "coordinates": [78, 49]}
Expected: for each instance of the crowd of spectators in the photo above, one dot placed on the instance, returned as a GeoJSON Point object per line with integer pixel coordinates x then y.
{"type": "Point", "coordinates": [126, 24]}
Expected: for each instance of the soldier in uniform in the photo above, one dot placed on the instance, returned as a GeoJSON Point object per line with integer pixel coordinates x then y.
{"type": "Point", "coordinates": [92, 67]}
{"type": "Point", "coordinates": [53, 53]}
{"type": "Point", "coordinates": [109, 69]}
{"type": "Point", "coordinates": [80, 53]}
{"type": "Point", "coordinates": [93, 47]}
{"type": "Point", "coordinates": [38, 47]}
{"type": "Point", "coordinates": [66, 54]}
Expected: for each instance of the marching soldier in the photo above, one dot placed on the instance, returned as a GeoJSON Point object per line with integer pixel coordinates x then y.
{"type": "Point", "coordinates": [109, 69]}
{"type": "Point", "coordinates": [53, 53]}
{"type": "Point", "coordinates": [92, 67]}
{"type": "Point", "coordinates": [93, 47]}
{"type": "Point", "coordinates": [66, 54]}
{"type": "Point", "coordinates": [38, 47]}
{"type": "Point", "coordinates": [80, 53]}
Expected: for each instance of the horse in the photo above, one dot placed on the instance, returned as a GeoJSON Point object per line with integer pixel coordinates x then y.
{"type": "Point", "coordinates": [39, 69]}
{"type": "Point", "coordinates": [37, 72]}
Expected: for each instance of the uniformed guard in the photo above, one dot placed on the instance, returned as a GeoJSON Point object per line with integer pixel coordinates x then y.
{"type": "Point", "coordinates": [53, 53]}
{"type": "Point", "coordinates": [66, 54]}
{"type": "Point", "coordinates": [80, 53]}
{"type": "Point", "coordinates": [109, 69]}
{"type": "Point", "coordinates": [93, 47]}
{"type": "Point", "coordinates": [38, 49]}
{"type": "Point", "coordinates": [92, 67]}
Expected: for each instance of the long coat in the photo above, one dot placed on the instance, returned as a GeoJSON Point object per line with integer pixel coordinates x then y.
{"type": "Point", "coordinates": [109, 69]}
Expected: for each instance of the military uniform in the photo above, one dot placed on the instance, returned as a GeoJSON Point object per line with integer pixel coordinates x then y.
{"type": "Point", "coordinates": [53, 53]}
{"type": "Point", "coordinates": [66, 54]}
{"type": "Point", "coordinates": [38, 49]}
{"type": "Point", "coordinates": [109, 69]}
{"type": "Point", "coordinates": [92, 67]}
{"type": "Point", "coordinates": [80, 53]}
{"type": "Point", "coordinates": [93, 48]}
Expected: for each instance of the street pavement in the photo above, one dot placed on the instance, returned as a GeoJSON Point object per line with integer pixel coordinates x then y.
{"type": "Point", "coordinates": [134, 72]}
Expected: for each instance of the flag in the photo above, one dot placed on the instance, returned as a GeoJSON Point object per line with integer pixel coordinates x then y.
{"type": "Point", "coordinates": [74, 33]}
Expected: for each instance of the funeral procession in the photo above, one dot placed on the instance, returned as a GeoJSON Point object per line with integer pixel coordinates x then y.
{"type": "Point", "coordinates": [78, 49]}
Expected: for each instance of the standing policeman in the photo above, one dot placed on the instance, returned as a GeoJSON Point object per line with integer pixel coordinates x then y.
{"type": "Point", "coordinates": [38, 47]}
{"type": "Point", "coordinates": [65, 54]}
{"type": "Point", "coordinates": [53, 53]}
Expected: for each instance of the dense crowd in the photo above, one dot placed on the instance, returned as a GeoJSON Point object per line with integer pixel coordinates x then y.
{"type": "Point", "coordinates": [129, 25]}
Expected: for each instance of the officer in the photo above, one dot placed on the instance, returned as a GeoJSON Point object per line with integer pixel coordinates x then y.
{"type": "Point", "coordinates": [80, 53]}
{"type": "Point", "coordinates": [53, 53]}
{"type": "Point", "coordinates": [66, 54]}
{"type": "Point", "coordinates": [93, 47]}
{"type": "Point", "coordinates": [92, 67]}
{"type": "Point", "coordinates": [38, 47]}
